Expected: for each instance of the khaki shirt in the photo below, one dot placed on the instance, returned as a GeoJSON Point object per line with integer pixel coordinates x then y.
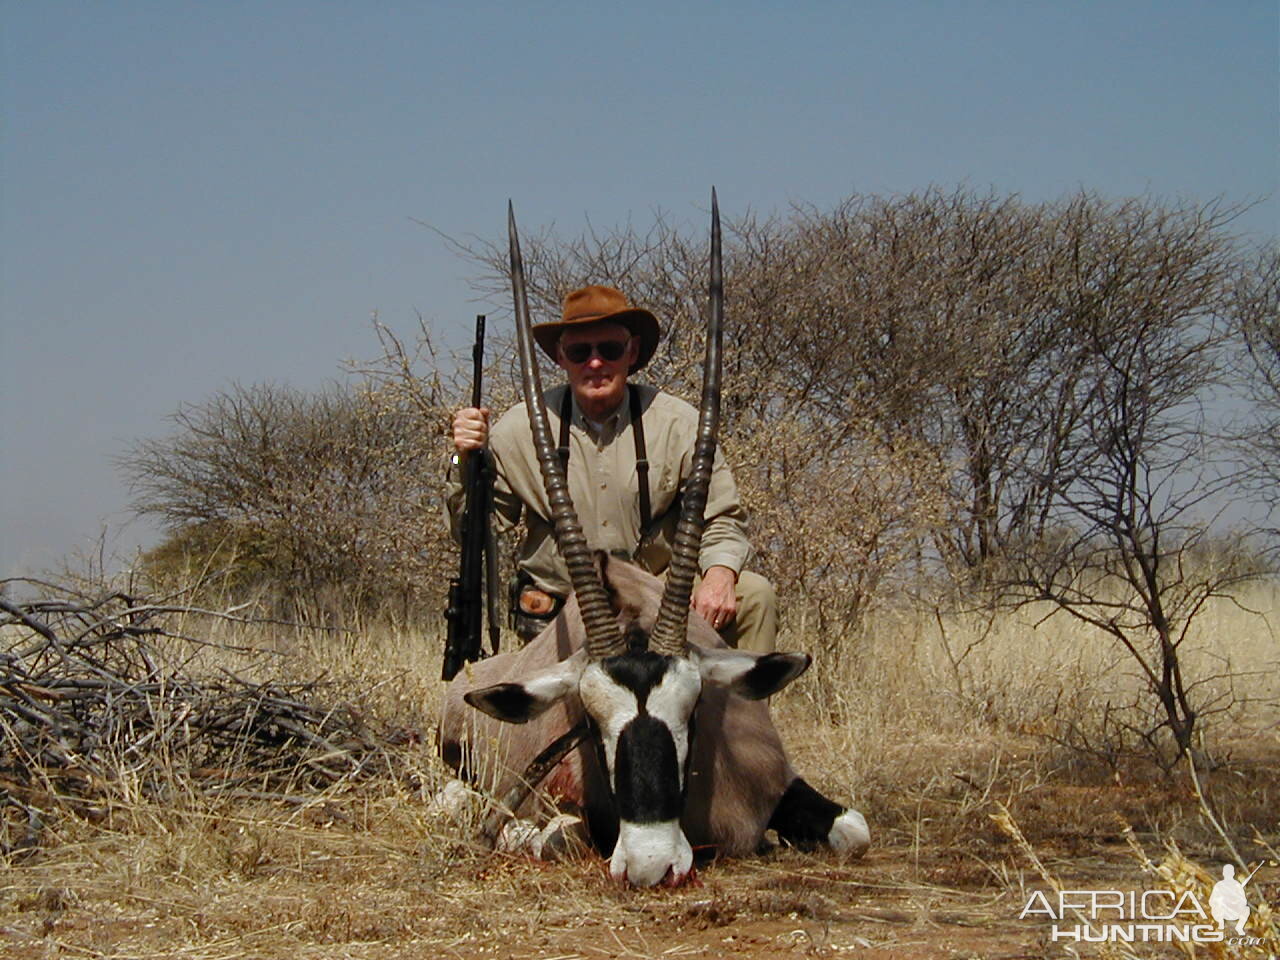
{"type": "Point", "coordinates": [605, 490]}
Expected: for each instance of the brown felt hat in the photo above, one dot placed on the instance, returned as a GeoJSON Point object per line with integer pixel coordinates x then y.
{"type": "Point", "coordinates": [597, 304]}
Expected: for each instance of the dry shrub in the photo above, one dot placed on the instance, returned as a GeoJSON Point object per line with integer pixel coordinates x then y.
{"type": "Point", "coordinates": [331, 498]}
{"type": "Point", "coordinates": [836, 529]}
{"type": "Point", "coordinates": [112, 703]}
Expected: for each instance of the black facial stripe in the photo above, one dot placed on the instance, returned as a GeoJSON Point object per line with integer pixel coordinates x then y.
{"type": "Point", "coordinates": [637, 640]}
{"type": "Point", "coordinates": [646, 776]}
{"type": "Point", "coordinates": [638, 672]}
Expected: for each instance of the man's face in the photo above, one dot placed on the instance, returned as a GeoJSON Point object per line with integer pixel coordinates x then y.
{"type": "Point", "coordinates": [598, 383]}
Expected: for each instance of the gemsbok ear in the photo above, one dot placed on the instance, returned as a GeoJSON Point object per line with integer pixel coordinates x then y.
{"type": "Point", "coordinates": [521, 701]}
{"type": "Point", "coordinates": [751, 675]}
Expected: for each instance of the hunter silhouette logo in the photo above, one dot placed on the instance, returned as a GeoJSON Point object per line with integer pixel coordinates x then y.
{"type": "Point", "coordinates": [1149, 916]}
{"type": "Point", "coordinates": [1227, 902]}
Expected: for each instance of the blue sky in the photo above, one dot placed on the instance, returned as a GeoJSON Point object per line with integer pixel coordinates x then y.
{"type": "Point", "coordinates": [198, 193]}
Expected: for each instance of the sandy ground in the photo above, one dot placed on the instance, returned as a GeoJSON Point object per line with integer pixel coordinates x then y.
{"type": "Point", "coordinates": [898, 902]}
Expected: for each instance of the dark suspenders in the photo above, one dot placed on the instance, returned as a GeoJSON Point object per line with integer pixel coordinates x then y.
{"type": "Point", "coordinates": [642, 461]}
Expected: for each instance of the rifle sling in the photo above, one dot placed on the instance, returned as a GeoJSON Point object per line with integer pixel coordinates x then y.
{"type": "Point", "coordinates": [642, 460]}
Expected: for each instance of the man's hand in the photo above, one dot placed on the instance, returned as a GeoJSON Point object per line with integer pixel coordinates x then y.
{"type": "Point", "coordinates": [471, 428]}
{"type": "Point", "coordinates": [714, 598]}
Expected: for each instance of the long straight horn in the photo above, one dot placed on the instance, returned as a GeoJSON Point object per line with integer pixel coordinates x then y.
{"type": "Point", "coordinates": [604, 638]}
{"type": "Point", "coordinates": [670, 630]}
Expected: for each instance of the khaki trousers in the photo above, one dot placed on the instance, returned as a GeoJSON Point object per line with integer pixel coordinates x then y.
{"type": "Point", "coordinates": [755, 626]}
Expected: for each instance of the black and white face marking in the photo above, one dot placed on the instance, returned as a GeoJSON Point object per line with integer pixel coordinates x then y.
{"type": "Point", "coordinates": [642, 703]}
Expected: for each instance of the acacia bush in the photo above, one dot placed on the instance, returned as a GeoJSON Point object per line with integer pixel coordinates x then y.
{"type": "Point", "coordinates": [312, 502]}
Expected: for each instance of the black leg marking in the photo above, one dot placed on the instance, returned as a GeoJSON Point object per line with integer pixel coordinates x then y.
{"type": "Point", "coordinates": [803, 817]}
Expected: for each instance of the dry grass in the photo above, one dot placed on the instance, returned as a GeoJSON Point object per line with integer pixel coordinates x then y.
{"type": "Point", "coordinates": [1045, 675]}
{"type": "Point", "coordinates": [928, 726]}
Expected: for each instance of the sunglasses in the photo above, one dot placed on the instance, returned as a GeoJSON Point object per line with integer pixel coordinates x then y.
{"type": "Point", "coordinates": [609, 351]}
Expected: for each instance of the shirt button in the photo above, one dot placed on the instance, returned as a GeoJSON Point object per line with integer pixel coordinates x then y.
{"type": "Point", "coordinates": [604, 523]}
{"type": "Point", "coordinates": [604, 486]}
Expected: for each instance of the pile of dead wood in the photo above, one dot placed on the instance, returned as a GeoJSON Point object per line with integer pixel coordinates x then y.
{"type": "Point", "coordinates": [102, 697]}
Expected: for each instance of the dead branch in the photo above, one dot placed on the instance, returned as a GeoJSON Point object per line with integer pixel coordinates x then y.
{"type": "Point", "coordinates": [93, 687]}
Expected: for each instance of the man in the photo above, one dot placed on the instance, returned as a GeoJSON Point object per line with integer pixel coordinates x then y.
{"type": "Point", "coordinates": [628, 449]}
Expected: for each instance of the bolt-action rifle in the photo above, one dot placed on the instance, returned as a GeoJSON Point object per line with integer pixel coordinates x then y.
{"type": "Point", "coordinates": [469, 593]}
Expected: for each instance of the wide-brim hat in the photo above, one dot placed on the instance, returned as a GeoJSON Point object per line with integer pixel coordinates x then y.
{"type": "Point", "coordinates": [596, 304]}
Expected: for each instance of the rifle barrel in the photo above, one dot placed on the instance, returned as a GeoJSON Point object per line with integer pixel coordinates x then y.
{"type": "Point", "coordinates": [465, 612]}
{"type": "Point", "coordinates": [477, 361]}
